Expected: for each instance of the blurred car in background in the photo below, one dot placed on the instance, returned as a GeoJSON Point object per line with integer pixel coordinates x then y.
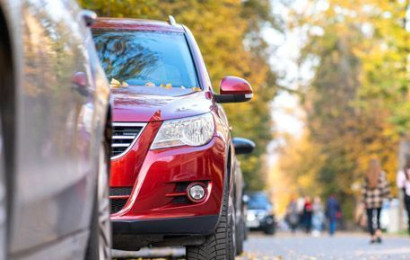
{"type": "Point", "coordinates": [175, 180]}
{"type": "Point", "coordinates": [242, 146]}
{"type": "Point", "coordinates": [260, 214]}
{"type": "Point", "coordinates": [54, 134]}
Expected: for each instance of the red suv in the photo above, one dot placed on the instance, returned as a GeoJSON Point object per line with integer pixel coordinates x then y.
{"type": "Point", "coordinates": [174, 179]}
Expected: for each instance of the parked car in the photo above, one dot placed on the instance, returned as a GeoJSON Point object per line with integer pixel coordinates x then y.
{"type": "Point", "coordinates": [174, 178]}
{"type": "Point", "coordinates": [260, 213]}
{"type": "Point", "coordinates": [242, 146]}
{"type": "Point", "coordinates": [54, 134]}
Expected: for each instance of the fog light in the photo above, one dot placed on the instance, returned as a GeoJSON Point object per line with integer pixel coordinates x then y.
{"type": "Point", "coordinates": [196, 192]}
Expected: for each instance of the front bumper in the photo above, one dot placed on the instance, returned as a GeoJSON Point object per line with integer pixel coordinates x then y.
{"type": "Point", "coordinates": [201, 225]}
{"type": "Point", "coordinates": [131, 235]}
{"type": "Point", "coordinates": [256, 222]}
{"type": "Point", "coordinates": [157, 203]}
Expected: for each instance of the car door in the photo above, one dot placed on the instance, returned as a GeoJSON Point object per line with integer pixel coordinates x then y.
{"type": "Point", "coordinates": [56, 169]}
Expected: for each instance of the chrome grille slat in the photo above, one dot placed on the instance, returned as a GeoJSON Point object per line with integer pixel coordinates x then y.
{"type": "Point", "coordinates": [124, 137]}
{"type": "Point", "coordinates": [120, 145]}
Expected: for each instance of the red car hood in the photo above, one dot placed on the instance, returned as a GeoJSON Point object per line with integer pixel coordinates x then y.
{"type": "Point", "coordinates": [145, 104]}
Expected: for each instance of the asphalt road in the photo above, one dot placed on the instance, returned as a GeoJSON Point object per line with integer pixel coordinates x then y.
{"type": "Point", "coordinates": [340, 247]}
{"type": "Point", "coordinates": [304, 247]}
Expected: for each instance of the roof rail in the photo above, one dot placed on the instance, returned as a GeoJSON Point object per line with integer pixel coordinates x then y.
{"type": "Point", "coordinates": [171, 20]}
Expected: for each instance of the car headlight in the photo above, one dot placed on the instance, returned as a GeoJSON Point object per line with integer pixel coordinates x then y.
{"type": "Point", "coordinates": [192, 131]}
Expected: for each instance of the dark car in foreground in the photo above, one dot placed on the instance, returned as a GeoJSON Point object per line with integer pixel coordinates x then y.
{"type": "Point", "coordinates": [174, 177]}
{"type": "Point", "coordinates": [260, 213]}
{"type": "Point", "coordinates": [54, 134]}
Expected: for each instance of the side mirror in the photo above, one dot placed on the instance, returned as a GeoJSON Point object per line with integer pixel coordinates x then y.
{"type": "Point", "coordinates": [245, 198]}
{"type": "Point", "coordinates": [243, 145]}
{"type": "Point", "coordinates": [233, 90]}
{"type": "Point", "coordinates": [79, 81]}
{"type": "Point", "coordinates": [89, 17]}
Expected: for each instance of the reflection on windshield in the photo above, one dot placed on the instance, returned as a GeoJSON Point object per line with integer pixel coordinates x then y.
{"type": "Point", "coordinates": [150, 59]}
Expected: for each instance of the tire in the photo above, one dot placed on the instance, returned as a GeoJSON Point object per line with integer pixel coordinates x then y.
{"type": "Point", "coordinates": [3, 206]}
{"type": "Point", "coordinates": [246, 230]}
{"type": "Point", "coordinates": [7, 119]}
{"type": "Point", "coordinates": [240, 237]}
{"type": "Point", "coordinates": [269, 230]}
{"type": "Point", "coordinates": [99, 242]}
{"type": "Point", "coordinates": [221, 244]}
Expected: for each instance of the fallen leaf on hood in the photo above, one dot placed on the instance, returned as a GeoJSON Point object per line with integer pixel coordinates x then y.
{"type": "Point", "coordinates": [115, 83]}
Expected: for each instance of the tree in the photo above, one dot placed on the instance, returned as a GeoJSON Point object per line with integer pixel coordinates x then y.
{"type": "Point", "coordinates": [357, 102]}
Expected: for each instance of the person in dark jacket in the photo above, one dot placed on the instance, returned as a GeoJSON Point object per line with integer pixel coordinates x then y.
{"type": "Point", "coordinates": [333, 213]}
{"type": "Point", "coordinates": [307, 214]}
{"type": "Point", "coordinates": [292, 215]}
{"type": "Point", "coordinates": [375, 189]}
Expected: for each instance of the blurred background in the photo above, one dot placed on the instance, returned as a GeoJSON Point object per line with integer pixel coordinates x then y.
{"type": "Point", "coordinates": [331, 79]}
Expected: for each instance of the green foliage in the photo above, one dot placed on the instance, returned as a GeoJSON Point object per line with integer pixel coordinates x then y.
{"type": "Point", "coordinates": [357, 104]}
{"type": "Point", "coordinates": [221, 28]}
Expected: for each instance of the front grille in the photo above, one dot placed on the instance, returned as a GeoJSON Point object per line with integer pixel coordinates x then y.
{"type": "Point", "coordinates": [124, 135]}
{"type": "Point", "coordinates": [117, 205]}
{"type": "Point", "coordinates": [181, 200]}
{"type": "Point", "coordinates": [181, 186]}
{"type": "Point", "coordinates": [123, 191]}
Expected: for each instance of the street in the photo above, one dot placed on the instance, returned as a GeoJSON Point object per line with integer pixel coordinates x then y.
{"type": "Point", "coordinates": [342, 246]}
{"type": "Point", "coordinates": [285, 246]}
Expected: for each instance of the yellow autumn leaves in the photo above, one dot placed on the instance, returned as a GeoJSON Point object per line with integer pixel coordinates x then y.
{"type": "Point", "coordinates": [116, 84]}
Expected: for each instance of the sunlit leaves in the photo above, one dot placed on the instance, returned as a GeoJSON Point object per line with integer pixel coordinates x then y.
{"type": "Point", "coordinates": [358, 102]}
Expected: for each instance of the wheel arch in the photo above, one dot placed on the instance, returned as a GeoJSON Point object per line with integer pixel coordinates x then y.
{"type": "Point", "coordinates": [8, 98]}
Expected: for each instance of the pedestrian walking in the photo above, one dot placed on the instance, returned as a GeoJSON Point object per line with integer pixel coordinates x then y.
{"type": "Point", "coordinates": [307, 214]}
{"type": "Point", "coordinates": [292, 215]}
{"type": "Point", "coordinates": [375, 189]}
{"type": "Point", "coordinates": [301, 204]}
{"type": "Point", "coordinates": [333, 213]}
{"type": "Point", "coordinates": [403, 183]}
{"type": "Point", "coordinates": [318, 216]}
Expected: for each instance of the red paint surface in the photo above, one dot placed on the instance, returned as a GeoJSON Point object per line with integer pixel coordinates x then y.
{"type": "Point", "coordinates": [235, 85]}
{"type": "Point", "coordinates": [153, 174]}
{"type": "Point", "coordinates": [159, 173]}
{"type": "Point", "coordinates": [138, 106]}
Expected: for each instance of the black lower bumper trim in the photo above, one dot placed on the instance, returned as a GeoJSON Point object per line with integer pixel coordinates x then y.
{"type": "Point", "coordinates": [201, 225]}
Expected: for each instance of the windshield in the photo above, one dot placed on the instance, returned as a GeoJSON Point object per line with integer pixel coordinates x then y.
{"type": "Point", "coordinates": [151, 59]}
{"type": "Point", "coordinates": [258, 201]}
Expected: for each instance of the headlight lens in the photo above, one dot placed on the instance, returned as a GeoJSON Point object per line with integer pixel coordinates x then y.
{"type": "Point", "coordinates": [192, 131]}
